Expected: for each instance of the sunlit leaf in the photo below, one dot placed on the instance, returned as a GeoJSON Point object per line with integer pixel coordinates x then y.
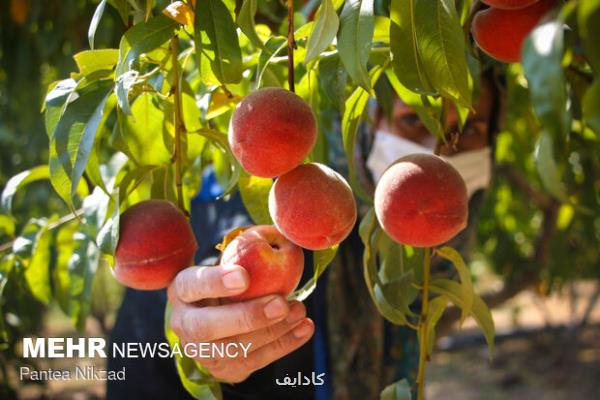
{"type": "Point", "coordinates": [547, 168]}
{"type": "Point", "coordinates": [255, 194]}
{"type": "Point", "coordinates": [324, 31]}
{"type": "Point", "coordinates": [245, 21]}
{"type": "Point", "coordinates": [95, 21]}
{"type": "Point", "coordinates": [399, 390]}
{"type": "Point", "coordinates": [465, 277]}
{"type": "Point", "coordinates": [19, 181]}
{"type": "Point", "coordinates": [321, 259]}
{"type": "Point", "coordinates": [143, 37]}
{"type": "Point", "coordinates": [214, 19]}
{"type": "Point", "coordinates": [480, 310]}
{"type": "Point", "coordinates": [542, 64]}
{"type": "Point", "coordinates": [354, 39]}
{"type": "Point", "coordinates": [352, 118]}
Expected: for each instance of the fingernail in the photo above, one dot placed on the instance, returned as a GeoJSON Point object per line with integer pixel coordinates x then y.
{"type": "Point", "coordinates": [234, 280]}
{"type": "Point", "coordinates": [302, 330]}
{"type": "Point", "coordinates": [296, 314]}
{"type": "Point", "coordinates": [275, 308]}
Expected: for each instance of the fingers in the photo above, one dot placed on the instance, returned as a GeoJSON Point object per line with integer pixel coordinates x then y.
{"type": "Point", "coordinates": [237, 370]}
{"type": "Point", "coordinates": [262, 337]}
{"type": "Point", "coordinates": [205, 324]}
{"type": "Point", "coordinates": [197, 283]}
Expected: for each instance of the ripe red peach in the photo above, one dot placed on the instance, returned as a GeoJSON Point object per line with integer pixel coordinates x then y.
{"type": "Point", "coordinates": [313, 206]}
{"type": "Point", "coordinates": [421, 201]}
{"type": "Point", "coordinates": [272, 130]}
{"type": "Point", "coordinates": [509, 4]}
{"type": "Point", "coordinates": [274, 263]}
{"type": "Point", "coordinates": [155, 243]}
{"type": "Point", "coordinates": [501, 33]}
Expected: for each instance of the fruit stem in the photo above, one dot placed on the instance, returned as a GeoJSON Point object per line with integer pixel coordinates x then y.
{"type": "Point", "coordinates": [423, 324]}
{"type": "Point", "coordinates": [177, 121]}
{"type": "Point", "coordinates": [291, 44]}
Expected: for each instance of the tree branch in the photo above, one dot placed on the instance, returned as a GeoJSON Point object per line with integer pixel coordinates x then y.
{"type": "Point", "coordinates": [515, 178]}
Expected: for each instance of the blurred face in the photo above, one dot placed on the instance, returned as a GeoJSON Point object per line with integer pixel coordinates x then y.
{"type": "Point", "coordinates": [405, 123]}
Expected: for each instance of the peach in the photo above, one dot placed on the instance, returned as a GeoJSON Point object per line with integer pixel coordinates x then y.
{"type": "Point", "coordinates": [274, 263]}
{"type": "Point", "coordinates": [509, 4]}
{"type": "Point", "coordinates": [421, 201]}
{"type": "Point", "coordinates": [501, 33]}
{"type": "Point", "coordinates": [155, 243]}
{"type": "Point", "coordinates": [313, 206]}
{"type": "Point", "coordinates": [272, 130]}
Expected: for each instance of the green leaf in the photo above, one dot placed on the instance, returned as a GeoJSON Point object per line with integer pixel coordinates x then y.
{"type": "Point", "coordinates": [122, 8]}
{"type": "Point", "coordinates": [542, 64]}
{"type": "Point", "coordinates": [588, 16]}
{"type": "Point", "coordinates": [321, 259]}
{"type": "Point", "coordinates": [427, 44]}
{"type": "Point", "coordinates": [441, 44]}
{"type": "Point", "coordinates": [273, 46]}
{"type": "Point", "coordinates": [406, 60]}
{"type": "Point", "coordinates": [91, 61]}
{"type": "Point", "coordinates": [73, 138]}
{"type": "Point", "coordinates": [19, 181]}
{"type": "Point", "coordinates": [255, 194]}
{"type": "Point", "coordinates": [7, 225]}
{"type": "Point", "coordinates": [436, 310]}
{"type": "Point", "coordinates": [480, 310]}
{"type": "Point", "coordinates": [220, 140]}
{"type": "Point", "coordinates": [108, 235]}
{"type": "Point", "coordinates": [591, 107]}
{"type": "Point", "coordinates": [429, 112]}
{"type": "Point", "coordinates": [142, 132]}
{"type": "Point", "coordinates": [95, 21]}
{"type": "Point", "coordinates": [351, 120]}
{"type": "Point", "coordinates": [245, 20]}
{"type": "Point", "coordinates": [84, 260]}
{"type": "Point", "coordinates": [399, 390]}
{"type": "Point", "coordinates": [6, 266]}
{"type": "Point", "coordinates": [196, 380]}
{"type": "Point", "coordinates": [355, 38]}
{"type": "Point", "coordinates": [547, 168]}
{"type": "Point", "coordinates": [142, 38]}
{"type": "Point", "coordinates": [37, 272]}
{"type": "Point", "coordinates": [465, 277]}
{"type": "Point", "coordinates": [214, 19]}
{"type": "Point", "coordinates": [324, 31]}
{"type": "Point", "coordinates": [65, 245]}
{"type": "Point", "coordinates": [371, 236]}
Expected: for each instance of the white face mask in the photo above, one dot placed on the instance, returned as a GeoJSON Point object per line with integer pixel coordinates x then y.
{"type": "Point", "coordinates": [474, 166]}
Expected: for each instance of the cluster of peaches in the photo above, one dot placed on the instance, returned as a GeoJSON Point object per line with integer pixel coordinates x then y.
{"type": "Point", "coordinates": [501, 29]}
{"type": "Point", "coordinates": [420, 200]}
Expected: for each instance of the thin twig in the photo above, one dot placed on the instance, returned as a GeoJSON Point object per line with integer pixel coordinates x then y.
{"type": "Point", "coordinates": [178, 125]}
{"type": "Point", "coordinates": [61, 221]}
{"type": "Point", "coordinates": [423, 325]}
{"type": "Point", "coordinates": [291, 45]}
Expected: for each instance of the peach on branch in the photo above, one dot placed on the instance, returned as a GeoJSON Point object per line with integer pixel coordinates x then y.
{"type": "Point", "coordinates": [155, 243]}
{"type": "Point", "coordinates": [313, 206]}
{"type": "Point", "coordinates": [421, 201]}
{"type": "Point", "coordinates": [509, 4]}
{"type": "Point", "coordinates": [272, 130]}
{"type": "Point", "coordinates": [501, 33]}
{"type": "Point", "coordinates": [274, 263]}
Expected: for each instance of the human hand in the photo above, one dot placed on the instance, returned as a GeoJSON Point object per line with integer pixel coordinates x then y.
{"type": "Point", "coordinates": [271, 325]}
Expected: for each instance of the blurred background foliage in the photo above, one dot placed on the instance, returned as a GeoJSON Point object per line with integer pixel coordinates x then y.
{"type": "Point", "coordinates": [539, 226]}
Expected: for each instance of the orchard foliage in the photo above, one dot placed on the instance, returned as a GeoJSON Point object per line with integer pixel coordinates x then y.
{"type": "Point", "coordinates": [145, 118]}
